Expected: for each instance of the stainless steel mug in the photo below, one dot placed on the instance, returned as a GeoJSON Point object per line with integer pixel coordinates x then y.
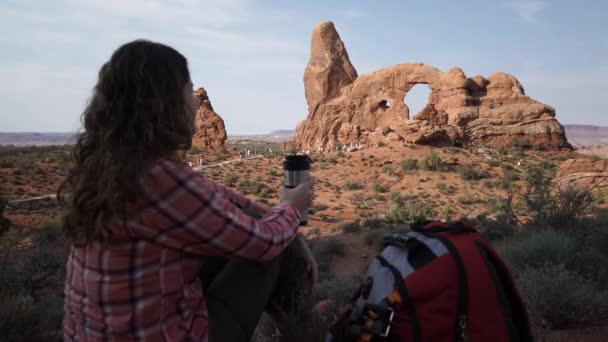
{"type": "Point", "coordinates": [297, 171]}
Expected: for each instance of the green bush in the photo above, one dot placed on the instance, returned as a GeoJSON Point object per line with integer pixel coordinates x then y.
{"type": "Point", "coordinates": [600, 195]}
{"type": "Point", "coordinates": [24, 318]}
{"type": "Point", "coordinates": [499, 229]}
{"type": "Point", "coordinates": [503, 151]}
{"type": "Point", "coordinates": [324, 250]}
{"type": "Point", "coordinates": [446, 212]}
{"type": "Point", "coordinates": [409, 211]}
{"type": "Point", "coordinates": [272, 173]}
{"type": "Point", "coordinates": [537, 249]}
{"type": "Point", "coordinates": [230, 179]}
{"type": "Point", "coordinates": [471, 172]}
{"type": "Point", "coordinates": [350, 185]}
{"type": "Point", "coordinates": [5, 223]}
{"type": "Point", "coordinates": [378, 189]}
{"type": "Point", "coordinates": [388, 170]}
{"type": "Point", "coordinates": [374, 223]}
{"type": "Point", "coordinates": [49, 234]}
{"type": "Point", "coordinates": [408, 164]}
{"type": "Point", "coordinates": [264, 193]}
{"type": "Point", "coordinates": [441, 186]}
{"type": "Point", "coordinates": [559, 298]}
{"type": "Point", "coordinates": [432, 162]}
{"type": "Point", "coordinates": [374, 238]}
{"type": "Point", "coordinates": [351, 227]}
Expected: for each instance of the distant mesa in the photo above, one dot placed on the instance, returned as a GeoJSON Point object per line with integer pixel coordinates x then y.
{"type": "Point", "coordinates": [345, 108]}
{"type": "Point", "coordinates": [210, 129]}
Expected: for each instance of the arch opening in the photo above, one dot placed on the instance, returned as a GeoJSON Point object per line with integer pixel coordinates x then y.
{"type": "Point", "coordinates": [417, 98]}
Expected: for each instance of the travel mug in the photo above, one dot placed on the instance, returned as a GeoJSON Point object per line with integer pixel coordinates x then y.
{"type": "Point", "coordinates": [297, 171]}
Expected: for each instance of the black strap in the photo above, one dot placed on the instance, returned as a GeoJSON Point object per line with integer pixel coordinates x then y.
{"type": "Point", "coordinates": [405, 298]}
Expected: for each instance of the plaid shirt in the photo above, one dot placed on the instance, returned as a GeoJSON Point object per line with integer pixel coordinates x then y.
{"type": "Point", "coordinates": [144, 284]}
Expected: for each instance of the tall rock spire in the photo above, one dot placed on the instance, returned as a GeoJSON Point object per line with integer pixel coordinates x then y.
{"type": "Point", "coordinates": [329, 68]}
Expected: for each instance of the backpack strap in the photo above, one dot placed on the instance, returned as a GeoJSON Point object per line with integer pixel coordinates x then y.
{"type": "Point", "coordinates": [403, 293]}
{"type": "Point", "coordinates": [512, 306]}
{"type": "Point", "coordinates": [460, 324]}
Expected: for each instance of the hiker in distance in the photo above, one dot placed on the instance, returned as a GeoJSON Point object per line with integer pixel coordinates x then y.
{"type": "Point", "coordinates": [144, 226]}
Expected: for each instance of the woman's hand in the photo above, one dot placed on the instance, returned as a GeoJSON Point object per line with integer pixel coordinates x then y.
{"type": "Point", "coordinates": [311, 263]}
{"type": "Point", "coordinates": [300, 197]}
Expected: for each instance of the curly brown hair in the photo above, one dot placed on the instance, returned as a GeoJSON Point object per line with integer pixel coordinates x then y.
{"type": "Point", "coordinates": [137, 114]}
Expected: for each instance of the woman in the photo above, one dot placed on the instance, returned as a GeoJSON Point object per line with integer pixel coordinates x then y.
{"type": "Point", "coordinates": [142, 222]}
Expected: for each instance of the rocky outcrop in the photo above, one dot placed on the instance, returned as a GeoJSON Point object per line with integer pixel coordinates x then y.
{"type": "Point", "coordinates": [345, 108]}
{"type": "Point", "coordinates": [210, 129]}
{"type": "Point", "coordinates": [584, 173]}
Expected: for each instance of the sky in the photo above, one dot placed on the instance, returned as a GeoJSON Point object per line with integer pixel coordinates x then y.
{"type": "Point", "coordinates": [250, 55]}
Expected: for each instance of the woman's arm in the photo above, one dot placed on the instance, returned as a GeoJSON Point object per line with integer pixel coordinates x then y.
{"type": "Point", "coordinates": [186, 212]}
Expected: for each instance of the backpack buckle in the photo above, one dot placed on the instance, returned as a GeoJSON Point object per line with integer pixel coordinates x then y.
{"type": "Point", "coordinates": [389, 322]}
{"type": "Point", "coordinates": [382, 316]}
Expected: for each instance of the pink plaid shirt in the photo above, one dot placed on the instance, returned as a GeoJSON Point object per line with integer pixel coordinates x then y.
{"type": "Point", "coordinates": [144, 284]}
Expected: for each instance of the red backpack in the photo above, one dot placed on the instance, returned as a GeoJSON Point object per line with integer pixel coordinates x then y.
{"type": "Point", "coordinates": [442, 282]}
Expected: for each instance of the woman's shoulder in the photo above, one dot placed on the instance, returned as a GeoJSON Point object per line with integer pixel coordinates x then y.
{"type": "Point", "coordinates": [170, 168]}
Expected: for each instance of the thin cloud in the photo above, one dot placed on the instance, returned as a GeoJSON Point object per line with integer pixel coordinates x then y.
{"type": "Point", "coordinates": [527, 10]}
{"type": "Point", "coordinates": [354, 13]}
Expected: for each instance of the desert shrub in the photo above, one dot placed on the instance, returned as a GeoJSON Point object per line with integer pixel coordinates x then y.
{"type": "Point", "coordinates": [498, 229]}
{"type": "Point", "coordinates": [388, 170]}
{"type": "Point", "coordinates": [381, 144]}
{"type": "Point", "coordinates": [272, 173]}
{"type": "Point", "coordinates": [537, 249]}
{"type": "Point", "coordinates": [394, 196]}
{"type": "Point", "coordinates": [374, 223]}
{"type": "Point", "coordinates": [31, 284]}
{"type": "Point", "coordinates": [24, 318]}
{"type": "Point", "coordinates": [494, 163]}
{"type": "Point", "coordinates": [558, 298]}
{"type": "Point", "coordinates": [50, 233]}
{"type": "Point", "coordinates": [446, 212]}
{"type": "Point", "coordinates": [432, 162]}
{"type": "Point", "coordinates": [595, 157]}
{"type": "Point", "coordinates": [264, 193]}
{"type": "Point", "coordinates": [351, 227]}
{"type": "Point", "coordinates": [441, 186]}
{"type": "Point", "coordinates": [520, 143]}
{"type": "Point", "coordinates": [471, 172]}
{"type": "Point", "coordinates": [230, 179]}
{"type": "Point", "coordinates": [340, 154]}
{"type": "Point", "coordinates": [503, 151]}
{"type": "Point", "coordinates": [408, 164]}
{"type": "Point", "coordinates": [600, 195]}
{"type": "Point", "coordinates": [488, 184]}
{"type": "Point", "coordinates": [408, 210]}
{"type": "Point", "coordinates": [474, 199]}
{"type": "Point", "coordinates": [563, 207]}
{"type": "Point", "coordinates": [378, 189]}
{"type": "Point", "coordinates": [5, 223]}
{"type": "Point", "coordinates": [324, 251]}
{"type": "Point", "coordinates": [350, 185]}
{"type": "Point", "coordinates": [374, 238]}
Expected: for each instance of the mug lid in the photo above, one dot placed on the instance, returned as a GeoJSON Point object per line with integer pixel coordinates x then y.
{"type": "Point", "coordinates": [297, 162]}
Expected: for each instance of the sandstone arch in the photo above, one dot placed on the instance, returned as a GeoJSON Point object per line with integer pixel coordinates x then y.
{"type": "Point", "coordinates": [346, 108]}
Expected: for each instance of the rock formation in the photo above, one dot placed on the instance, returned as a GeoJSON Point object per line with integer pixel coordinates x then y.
{"type": "Point", "coordinates": [585, 173]}
{"type": "Point", "coordinates": [345, 108]}
{"type": "Point", "coordinates": [210, 129]}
